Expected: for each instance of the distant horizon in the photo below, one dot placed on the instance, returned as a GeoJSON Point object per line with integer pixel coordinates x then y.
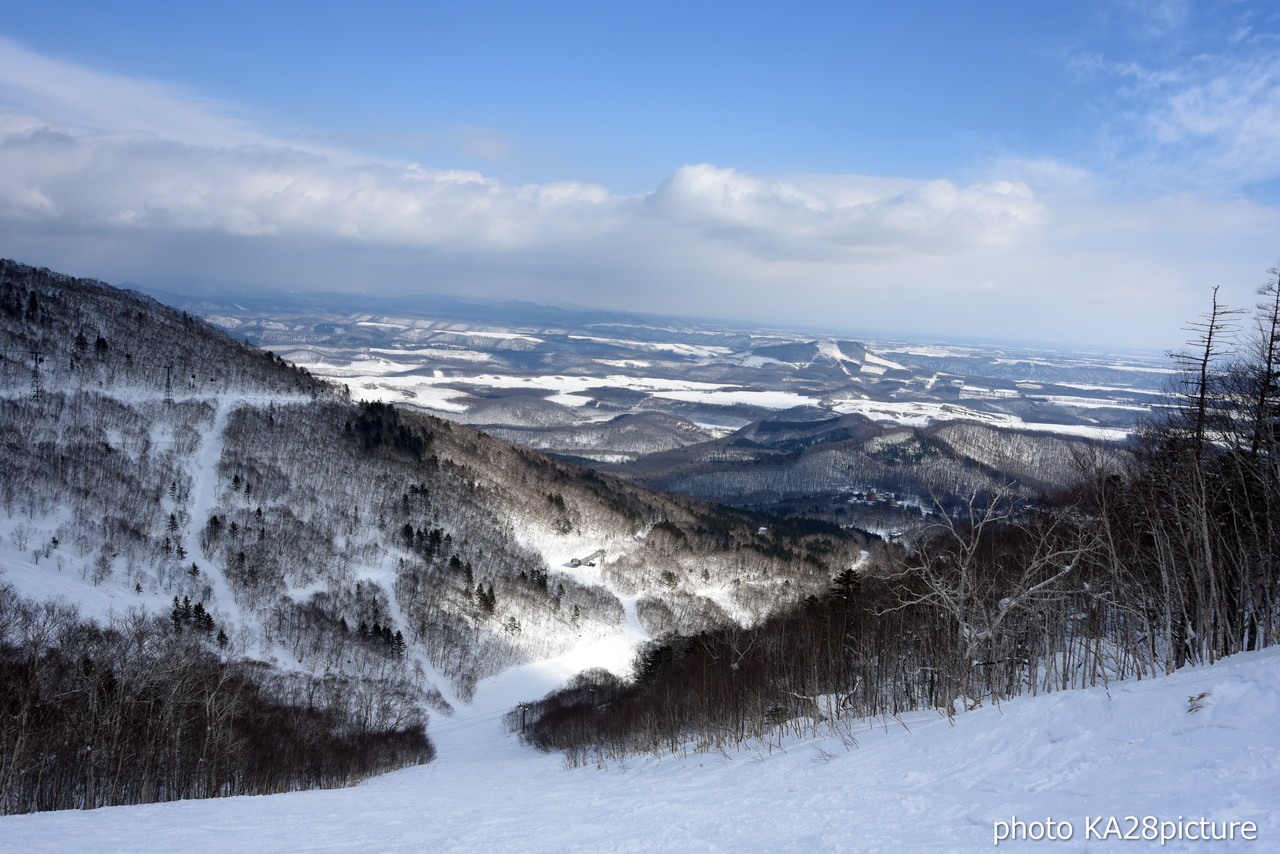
{"type": "Point", "coordinates": [745, 326]}
{"type": "Point", "coordinates": [1077, 173]}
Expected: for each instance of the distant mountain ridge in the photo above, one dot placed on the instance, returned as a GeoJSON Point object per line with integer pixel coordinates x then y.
{"type": "Point", "coordinates": [435, 305]}
{"type": "Point", "coordinates": [676, 405]}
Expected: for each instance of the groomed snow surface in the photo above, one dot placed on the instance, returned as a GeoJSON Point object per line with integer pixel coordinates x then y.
{"type": "Point", "coordinates": [1145, 750]}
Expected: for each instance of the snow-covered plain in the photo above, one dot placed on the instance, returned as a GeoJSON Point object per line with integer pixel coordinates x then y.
{"type": "Point", "coordinates": [923, 413]}
{"type": "Point", "coordinates": [437, 366]}
{"type": "Point", "coordinates": [1201, 744]}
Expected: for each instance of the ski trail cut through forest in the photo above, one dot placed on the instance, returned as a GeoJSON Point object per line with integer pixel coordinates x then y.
{"type": "Point", "coordinates": [204, 501]}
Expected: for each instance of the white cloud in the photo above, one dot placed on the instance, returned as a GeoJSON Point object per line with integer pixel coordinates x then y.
{"type": "Point", "coordinates": [123, 179]}
{"type": "Point", "coordinates": [1049, 175]}
{"type": "Point", "coordinates": [1227, 120]}
{"type": "Point", "coordinates": [139, 180]}
{"type": "Point", "coordinates": [143, 180]}
{"type": "Point", "coordinates": [846, 212]}
{"type": "Point", "coordinates": [84, 148]}
{"type": "Point", "coordinates": [66, 94]}
{"type": "Point", "coordinates": [1199, 107]}
{"type": "Point", "coordinates": [1157, 18]}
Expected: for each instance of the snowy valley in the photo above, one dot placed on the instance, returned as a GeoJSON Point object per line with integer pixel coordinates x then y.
{"type": "Point", "coordinates": [169, 481]}
{"type": "Point", "coordinates": [226, 574]}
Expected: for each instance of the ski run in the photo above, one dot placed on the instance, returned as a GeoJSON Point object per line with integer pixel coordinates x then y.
{"type": "Point", "coordinates": [1193, 754]}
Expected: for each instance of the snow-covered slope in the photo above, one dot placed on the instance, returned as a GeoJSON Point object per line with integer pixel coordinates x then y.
{"type": "Point", "coordinates": [1203, 744]}
{"type": "Point", "coordinates": [151, 460]}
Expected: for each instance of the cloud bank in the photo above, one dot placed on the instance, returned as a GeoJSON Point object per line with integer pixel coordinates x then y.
{"type": "Point", "coordinates": [136, 180]}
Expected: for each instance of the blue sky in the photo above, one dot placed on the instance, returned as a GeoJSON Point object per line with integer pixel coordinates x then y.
{"type": "Point", "coordinates": [1067, 172]}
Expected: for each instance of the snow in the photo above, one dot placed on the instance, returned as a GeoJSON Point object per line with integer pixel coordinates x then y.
{"type": "Point", "coordinates": [1039, 362]}
{"type": "Point", "coordinates": [754, 361]}
{"type": "Point", "coordinates": [204, 500]}
{"type": "Point", "coordinates": [363, 366]}
{"type": "Point", "coordinates": [379, 325]}
{"type": "Point", "coordinates": [975, 391]}
{"type": "Point", "coordinates": [569, 399]}
{"type": "Point", "coordinates": [831, 350]}
{"type": "Point", "coordinates": [704, 351]}
{"type": "Point", "coordinates": [1109, 434]}
{"type": "Point", "coordinates": [437, 353]}
{"type": "Point", "coordinates": [224, 321]}
{"type": "Point", "coordinates": [732, 397]}
{"type": "Point", "coordinates": [923, 782]}
{"type": "Point", "coordinates": [717, 431]}
{"type": "Point", "coordinates": [1147, 369]}
{"type": "Point", "coordinates": [409, 375]}
{"type": "Point", "coordinates": [558, 382]}
{"type": "Point", "coordinates": [873, 359]}
{"type": "Point", "coordinates": [624, 363]}
{"type": "Point", "coordinates": [501, 336]}
{"type": "Point", "coordinates": [923, 413]}
{"type": "Point", "coordinates": [433, 392]}
{"type": "Point", "coordinates": [406, 390]}
{"type": "Point", "coordinates": [605, 457]}
{"type": "Point", "coordinates": [65, 574]}
{"type": "Point", "coordinates": [1112, 388]}
{"type": "Point", "coordinates": [923, 350]}
{"type": "Point", "coordinates": [1086, 402]}
{"type": "Point", "coordinates": [917, 413]}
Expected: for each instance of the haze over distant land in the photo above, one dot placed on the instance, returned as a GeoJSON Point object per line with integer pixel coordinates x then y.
{"type": "Point", "coordinates": [1078, 173]}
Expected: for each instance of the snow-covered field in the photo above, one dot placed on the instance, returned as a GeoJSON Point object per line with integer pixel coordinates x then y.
{"type": "Point", "coordinates": [445, 367]}
{"type": "Point", "coordinates": [1183, 756]}
{"type": "Point", "coordinates": [923, 413]}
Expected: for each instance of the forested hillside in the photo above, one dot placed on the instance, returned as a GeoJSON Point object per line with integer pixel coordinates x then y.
{"type": "Point", "coordinates": [249, 548]}
{"type": "Point", "coordinates": [1161, 554]}
{"type": "Point", "coordinates": [770, 462]}
{"type": "Point", "coordinates": [269, 585]}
